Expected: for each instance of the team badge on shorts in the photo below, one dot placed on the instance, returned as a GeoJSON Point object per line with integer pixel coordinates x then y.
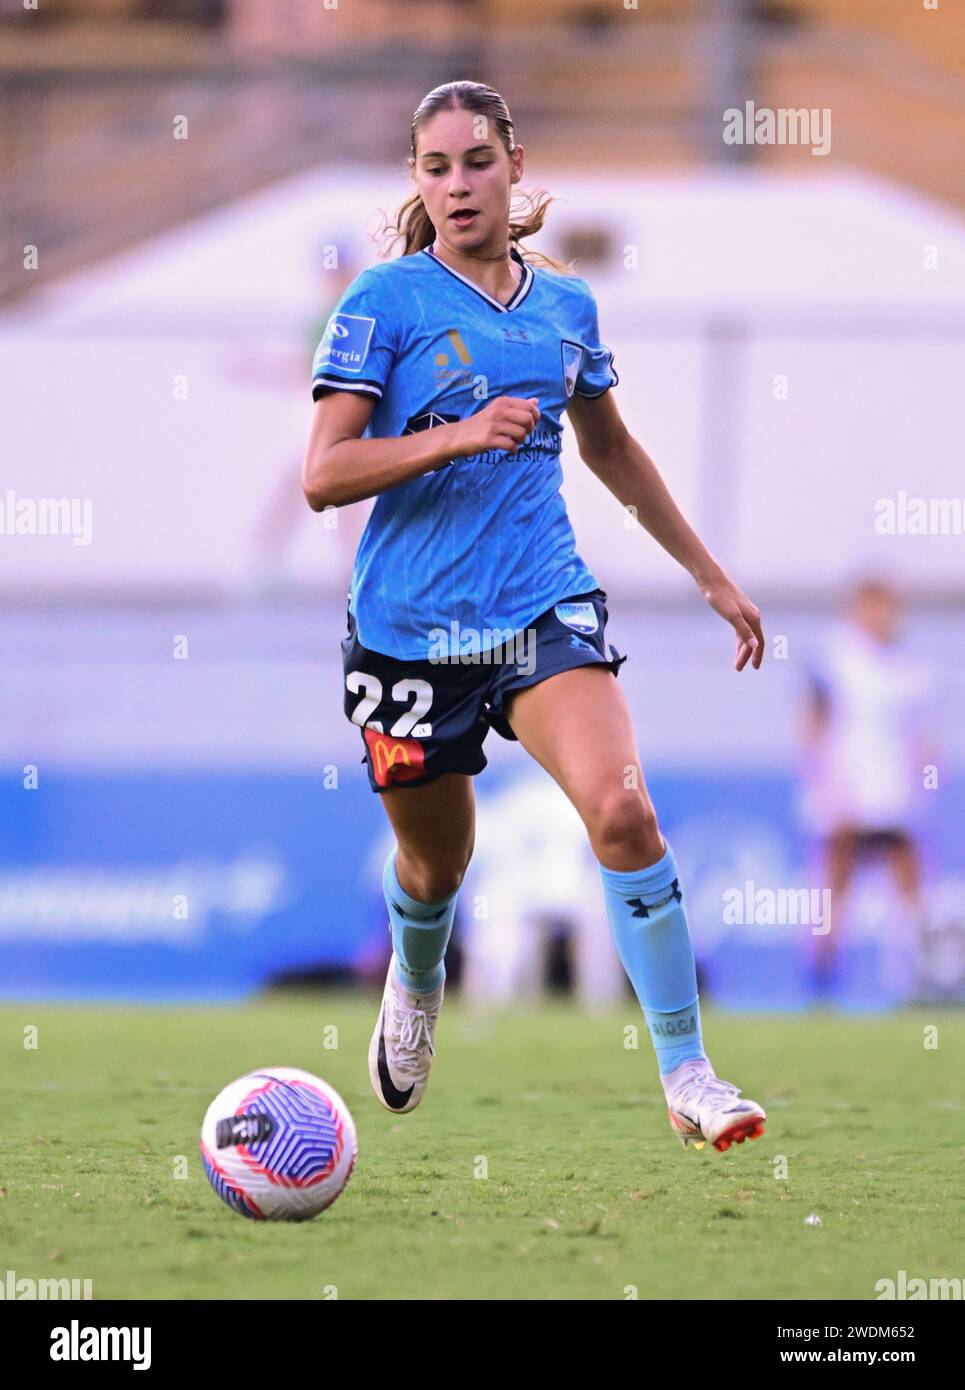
{"type": "Point", "coordinates": [581, 616]}
{"type": "Point", "coordinates": [572, 361]}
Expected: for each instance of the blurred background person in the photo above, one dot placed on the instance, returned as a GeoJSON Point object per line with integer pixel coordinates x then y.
{"type": "Point", "coordinates": [532, 885]}
{"type": "Point", "coordinates": [869, 731]}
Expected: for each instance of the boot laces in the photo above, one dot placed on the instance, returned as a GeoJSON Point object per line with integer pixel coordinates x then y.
{"type": "Point", "coordinates": [701, 1086]}
{"type": "Point", "coordinates": [414, 1035]}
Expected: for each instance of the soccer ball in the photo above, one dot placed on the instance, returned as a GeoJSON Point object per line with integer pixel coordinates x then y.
{"type": "Point", "coordinates": [278, 1144]}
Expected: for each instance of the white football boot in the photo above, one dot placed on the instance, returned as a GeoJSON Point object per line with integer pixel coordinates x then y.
{"type": "Point", "coordinates": [704, 1109]}
{"type": "Point", "coordinates": [401, 1050]}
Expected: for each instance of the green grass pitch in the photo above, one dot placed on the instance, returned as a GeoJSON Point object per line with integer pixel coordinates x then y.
{"type": "Point", "coordinates": [587, 1194]}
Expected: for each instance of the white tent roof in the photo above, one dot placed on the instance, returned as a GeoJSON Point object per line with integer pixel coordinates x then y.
{"type": "Point", "coordinates": [226, 303]}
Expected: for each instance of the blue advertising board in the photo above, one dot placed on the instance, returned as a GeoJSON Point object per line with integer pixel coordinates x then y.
{"type": "Point", "coordinates": [206, 885]}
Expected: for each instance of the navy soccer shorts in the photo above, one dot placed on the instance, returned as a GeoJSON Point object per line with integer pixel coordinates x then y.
{"type": "Point", "coordinates": [420, 719]}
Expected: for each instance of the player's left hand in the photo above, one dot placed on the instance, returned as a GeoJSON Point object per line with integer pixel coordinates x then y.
{"type": "Point", "coordinates": [726, 599]}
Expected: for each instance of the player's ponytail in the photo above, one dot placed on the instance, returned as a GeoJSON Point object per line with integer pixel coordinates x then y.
{"type": "Point", "coordinates": [412, 225]}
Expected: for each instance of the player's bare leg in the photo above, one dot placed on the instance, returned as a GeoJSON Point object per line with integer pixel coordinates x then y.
{"type": "Point", "coordinates": [841, 856]}
{"type": "Point", "coordinates": [577, 726]}
{"type": "Point", "coordinates": [435, 827]}
{"type": "Point", "coordinates": [905, 868]}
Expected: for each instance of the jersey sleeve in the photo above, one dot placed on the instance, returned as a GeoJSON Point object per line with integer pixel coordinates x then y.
{"type": "Point", "coordinates": [359, 343]}
{"type": "Point", "coordinates": [596, 373]}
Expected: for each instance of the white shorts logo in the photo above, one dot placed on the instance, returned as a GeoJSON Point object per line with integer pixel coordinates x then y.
{"type": "Point", "coordinates": [581, 616]}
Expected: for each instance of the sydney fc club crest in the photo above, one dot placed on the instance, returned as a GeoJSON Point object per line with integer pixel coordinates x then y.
{"type": "Point", "coordinates": [572, 361]}
{"type": "Point", "coordinates": [581, 616]}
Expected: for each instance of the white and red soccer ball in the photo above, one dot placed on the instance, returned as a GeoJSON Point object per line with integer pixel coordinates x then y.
{"type": "Point", "coordinates": [278, 1144]}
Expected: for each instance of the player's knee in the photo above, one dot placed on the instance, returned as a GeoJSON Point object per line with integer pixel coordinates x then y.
{"type": "Point", "coordinates": [433, 880]}
{"type": "Point", "coordinates": [624, 826]}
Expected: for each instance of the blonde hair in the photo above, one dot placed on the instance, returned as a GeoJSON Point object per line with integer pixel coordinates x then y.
{"type": "Point", "coordinates": [412, 225]}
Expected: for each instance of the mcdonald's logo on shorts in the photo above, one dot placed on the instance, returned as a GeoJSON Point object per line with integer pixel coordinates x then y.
{"type": "Point", "coordinates": [394, 759]}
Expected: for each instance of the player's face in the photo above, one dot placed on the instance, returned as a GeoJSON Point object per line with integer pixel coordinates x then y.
{"type": "Point", "coordinates": [877, 611]}
{"type": "Point", "coordinates": [465, 176]}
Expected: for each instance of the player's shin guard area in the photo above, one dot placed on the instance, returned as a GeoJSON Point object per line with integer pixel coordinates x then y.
{"type": "Point", "coordinates": [652, 936]}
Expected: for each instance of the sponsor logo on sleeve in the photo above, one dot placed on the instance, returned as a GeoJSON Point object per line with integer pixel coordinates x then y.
{"type": "Point", "coordinates": [345, 343]}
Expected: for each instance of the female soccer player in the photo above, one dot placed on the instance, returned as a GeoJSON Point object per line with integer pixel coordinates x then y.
{"type": "Point", "coordinates": [440, 385]}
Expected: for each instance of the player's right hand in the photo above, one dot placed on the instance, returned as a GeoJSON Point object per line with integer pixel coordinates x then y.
{"type": "Point", "coordinates": [503, 424]}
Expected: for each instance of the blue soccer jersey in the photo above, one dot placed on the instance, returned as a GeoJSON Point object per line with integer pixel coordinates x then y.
{"type": "Point", "coordinates": [482, 545]}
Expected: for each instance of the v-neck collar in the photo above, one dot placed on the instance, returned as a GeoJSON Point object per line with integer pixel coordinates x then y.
{"type": "Point", "coordinates": [519, 294]}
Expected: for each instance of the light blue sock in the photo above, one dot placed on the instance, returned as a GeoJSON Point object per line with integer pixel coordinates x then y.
{"type": "Point", "coordinates": [420, 933]}
{"type": "Point", "coordinates": [649, 925]}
